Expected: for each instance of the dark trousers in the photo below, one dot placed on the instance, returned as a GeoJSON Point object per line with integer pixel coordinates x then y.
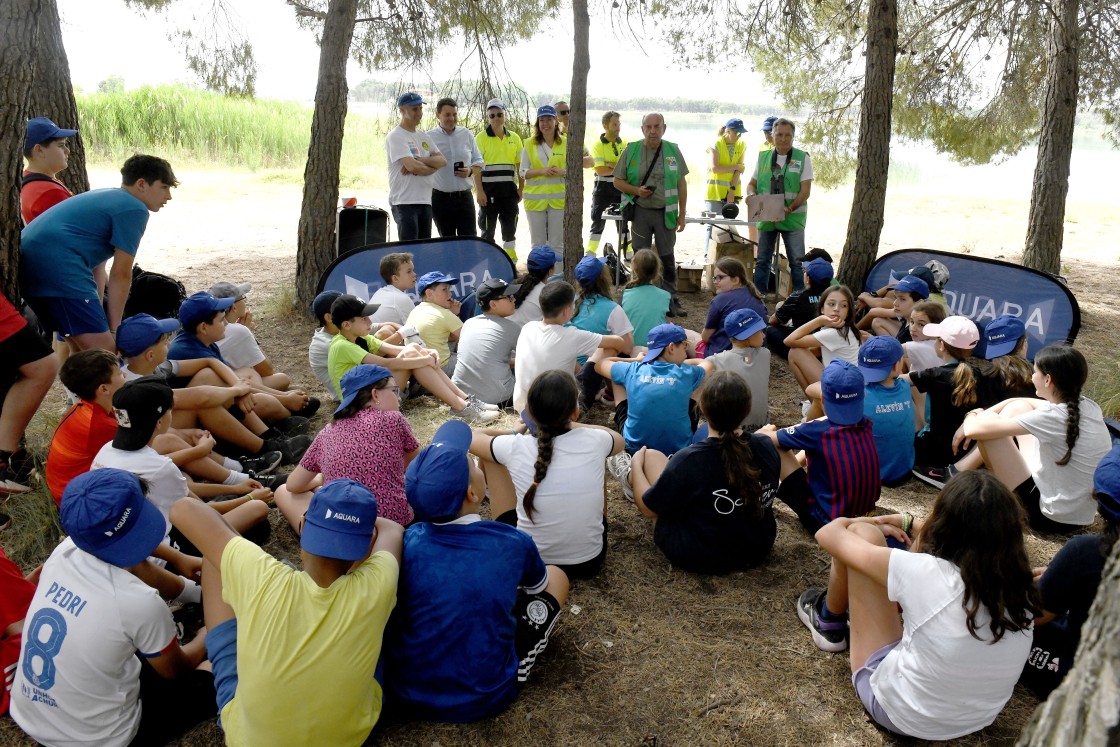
{"type": "Point", "coordinates": [603, 197]}
{"type": "Point", "coordinates": [499, 209]}
{"type": "Point", "coordinates": [453, 213]}
{"type": "Point", "coordinates": [649, 229]}
{"type": "Point", "coordinates": [413, 221]}
{"type": "Point", "coordinates": [171, 708]}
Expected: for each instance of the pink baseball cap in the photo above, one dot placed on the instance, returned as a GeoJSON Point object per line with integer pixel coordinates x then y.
{"type": "Point", "coordinates": [958, 331]}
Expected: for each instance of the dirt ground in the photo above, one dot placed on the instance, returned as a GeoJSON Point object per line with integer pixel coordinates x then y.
{"type": "Point", "coordinates": [644, 654]}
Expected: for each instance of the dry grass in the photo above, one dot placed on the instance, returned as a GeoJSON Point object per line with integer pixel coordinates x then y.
{"type": "Point", "coordinates": [646, 654]}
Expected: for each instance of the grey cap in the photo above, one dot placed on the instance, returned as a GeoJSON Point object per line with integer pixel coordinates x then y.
{"type": "Point", "coordinates": [226, 289]}
{"type": "Point", "coordinates": [496, 104]}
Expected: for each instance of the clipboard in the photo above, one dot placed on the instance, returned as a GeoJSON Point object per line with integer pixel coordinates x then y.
{"type": "Point", "coordinates": [766, 208]}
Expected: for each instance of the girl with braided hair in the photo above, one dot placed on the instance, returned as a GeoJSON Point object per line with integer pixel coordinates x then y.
{"type": "Point", "coordinates": [712, 503]}
{"type": "Point", "coordinates": [1044, 449]}
{"type": "Point", "coordinates": [551, 485]}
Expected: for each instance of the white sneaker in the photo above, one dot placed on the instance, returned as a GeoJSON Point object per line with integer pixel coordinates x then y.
{"type": "Point", "coordinates": [619, 467]}
{"type": "Point", "coordinates": [483, 405]}
{"type": "Point", "coordinates": [805, 404]}
{"type": "Point", "coordinates": [472, 413]}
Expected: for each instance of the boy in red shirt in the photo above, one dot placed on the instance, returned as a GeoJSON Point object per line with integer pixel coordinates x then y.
{"type": "Point", "coordinates": [47, 154]}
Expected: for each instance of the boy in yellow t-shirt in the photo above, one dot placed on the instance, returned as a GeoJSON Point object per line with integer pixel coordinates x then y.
{"type": "Point", "coordinates": [436, 317]}
{"type": "Point", "coordinates": [294, 652]}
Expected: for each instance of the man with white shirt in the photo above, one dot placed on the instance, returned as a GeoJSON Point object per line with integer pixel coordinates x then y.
{"type": "Point", "coordinates": [413, 160]}
{"type": "Point", "coordinates": [452, 200]}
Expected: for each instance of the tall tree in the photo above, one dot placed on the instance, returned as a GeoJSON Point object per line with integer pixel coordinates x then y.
{"type": "Point", "coordinates": [316, 243]}
{"type": "Point", "coordinates": [19, 20]}
{"type": "Point", "coordinates": [577, 129]}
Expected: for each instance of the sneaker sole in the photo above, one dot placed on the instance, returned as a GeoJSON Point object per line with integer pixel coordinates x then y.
{"type": "Point", "coordinates": [927, 479]}
{"type": "Point", "coordinates": [7, 487]}
{"type": "Point", "coordinates": [821, 642]}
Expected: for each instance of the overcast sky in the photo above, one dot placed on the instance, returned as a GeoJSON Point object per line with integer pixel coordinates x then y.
{"type": "Point", "coordinates": [104, 38]}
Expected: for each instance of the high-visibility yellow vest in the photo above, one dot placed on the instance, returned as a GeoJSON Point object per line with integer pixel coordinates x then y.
{"type": "Point", "coordinates": [605, 153]}
{"type": "Point", "coordinates": [502, 156]}
{"type": "Point", "coordinates": [720, 184]}
{"type": "Point", "coordinates": [542, 192]}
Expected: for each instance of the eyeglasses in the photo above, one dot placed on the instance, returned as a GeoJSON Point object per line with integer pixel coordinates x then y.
{"type": "Point", "coordinates": [496, 115]}
{"type": "Point", "coordinates": [563, 112]}
{"type": "Point", "coordinates": [394, 389]}
{"type": "Point", "coordinates": [718, 278]}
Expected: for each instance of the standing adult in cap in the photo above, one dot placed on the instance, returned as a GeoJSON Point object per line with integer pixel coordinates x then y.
{"type": "Point", "coordinates": [484, 365]}
{"type": "Point", "coordinates": [64, 258]}
{"type": "Point", "coordinates": [452, 207]}
{"type": "Point", "coordinates": [651, 174]}
{"type": "Point", "coordinates": [413, 160]}
{"type": "Point", "coordinates": [605, 154]}
{"type": "Point", "coordinates": [47, 152]}
{"type": "Point", "coordinates": [727, 166]}
{"type": "Point", "coordinates": [543, 167]}
{"type": "Point", "coordinates": [498, 186]}
{"type": "Point", "coordinates": [783, 170]}
{"type": "Point", "coordinates": [477, 604]}
{"type": "Point", "coordinates": [79, 679]}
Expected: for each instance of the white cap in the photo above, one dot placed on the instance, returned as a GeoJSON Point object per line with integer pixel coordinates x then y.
{"type": "Point", "coordinates": [496, 104]}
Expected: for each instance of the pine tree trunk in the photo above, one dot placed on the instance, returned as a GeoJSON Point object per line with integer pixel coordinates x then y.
{"type": "Point", "coordinates": [1085, 709]}
{"type": "Point", "coordinates": [52, 95]}
{"type": "Point", "coordinates": [577, 127]}
{"type": "Point", "coordinates": [865, 222]}
{"type": "Point", "coordinates": [19, 27]}
{"type": "Point", "coordinates": [1046, 222]}
{"type": "Point", "coordinates": [316, 241]}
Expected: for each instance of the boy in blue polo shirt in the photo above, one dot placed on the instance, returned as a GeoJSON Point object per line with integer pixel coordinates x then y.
{"type": "Point", "coordinates": [840, 474]}
{"type": "Point", "coordinates": [889, 405]}
{"type": "Point", "coordinates": [654, 394]}
{"type": "Point", "coordinates": [475, 603]}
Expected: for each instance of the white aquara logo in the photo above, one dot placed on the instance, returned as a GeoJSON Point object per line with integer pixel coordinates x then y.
{"type": "Point", "coordinates": [121, 523]}
{"type": "Point", "coordinates": [342, 517]}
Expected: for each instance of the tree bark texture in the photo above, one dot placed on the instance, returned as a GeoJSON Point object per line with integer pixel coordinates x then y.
{"type": "Point", "coordinates": [865, 223]}
{"type": "Point", "coordinates": [52, 94]}
{"type": "Point", "coordinates": [1085, 709]}
{"type": "Point", "coordinates": [577, 128]}
{"type": "Point", "coordinates": [1046, 221]}
{"type": "Point", "coordinates": [19, 22]}
{"type": "Point", "coordinates": [315, 248]}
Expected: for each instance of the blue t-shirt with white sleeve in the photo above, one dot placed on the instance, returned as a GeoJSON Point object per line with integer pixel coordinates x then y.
{"type": "Point", "coordinates": [891, 411]}
{"type": "Point", "coordinates": [657, 395]}
{"type": "Point", "coordinates": [60, 249]}
{"type": "Point", "coordinates": [450, 648]}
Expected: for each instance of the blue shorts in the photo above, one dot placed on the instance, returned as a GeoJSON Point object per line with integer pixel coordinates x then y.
{"type": "Point", "coordinates": [221, 649]}
{"type": "Point", "coordinates": [70, 316]}
{"type": "Point", "coordinates": [861, 678]}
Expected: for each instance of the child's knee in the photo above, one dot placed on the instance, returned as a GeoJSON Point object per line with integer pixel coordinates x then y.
{"type": "Point", "coordinates": [868, 532]}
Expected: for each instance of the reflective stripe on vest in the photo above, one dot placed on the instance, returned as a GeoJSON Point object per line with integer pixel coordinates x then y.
{"type": "Point", "coordinates": [720, 184]}
{"type": "Point", "coordinates": [542, 192]}
{"type": "Point", "coordinates": [502, 156]}
{"type": "Point", "coordinates": [633, 156]}
{"type": "Point", "coordinates": [795, 221]}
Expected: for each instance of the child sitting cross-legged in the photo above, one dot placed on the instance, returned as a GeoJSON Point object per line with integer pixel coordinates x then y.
{"type": "Point", "coordinates": [470, 590]}
{"type": "Point", "coordinates": [830, 466]}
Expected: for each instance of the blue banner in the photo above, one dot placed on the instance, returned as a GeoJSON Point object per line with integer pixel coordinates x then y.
{"type": "Point", "coordinates": [982, 289]}
{"type": "Point", "coordinates": [469, 259]}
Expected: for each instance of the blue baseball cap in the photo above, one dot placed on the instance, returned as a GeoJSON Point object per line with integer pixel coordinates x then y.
{"type": "Point", "coordinates": [357, 379]}
{"type": "Point", "coordinates": [548, 110]}
{"type": "Point", "coordinates": [842, 392]}
{"type": "Point", "coordinates": [1002, 335]}
{"type": "Point", "coordinates": [431, 278]}
{"type": "Point", "coordinates": [1106, 485]}
{"type": "Point", "coordinates": [107, 515]}
{"type": "Point", "coordinates": [768, 123]}
{"type": "Point", "coordinates": [138, 333]}
{"type": "Point", "coordinates": [588, 271]}
{"type": "Point", "coordinates": [819, 270]}
{"type": "Point", "coordinates": [742, 323]}
{"type": "Point", "coordinates": [340, 521]}
{"type": "Point", "coordinates": [661, 337]}
{"type": "Point", "coordinates": [543, 258]}
{"type": "Point", "coordinates": [438, 477]}
{"type": "Point", "coordinates": [201, 305]}
{"type": "Point", "coordinates": [912, 284]}
{"type": "Point", "coordinates": [877, 358]}
{"type": "Point", "coordinates": [41, 129]}
{"type": "Point", "coordinates": [410, 98]}
{"type": "Point", "coordinates": [322, 304]}
{"type": "Point", "coordinates": [735, 124]}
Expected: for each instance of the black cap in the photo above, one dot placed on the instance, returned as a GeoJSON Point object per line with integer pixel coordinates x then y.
{"type": "Point", "coordinates": [495, 288]}
{"type": "Point", "coordinates": [346, 307]}
{"type": "Point", "coordinates": [139, 405]}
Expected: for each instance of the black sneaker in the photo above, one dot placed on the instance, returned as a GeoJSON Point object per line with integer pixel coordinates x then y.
{"type": "Point", "coordinates": [829, 636]}
{"type": "Point", "coordinates": [293, 425]}
{"type": "Point", "coordinates": [10, 483]}
{"type": "Point", "coordinates": [188, 621]}
{"type": "Point", "coordinates": [272, 482]}
{"type": "Point", "coordinates": [935, 476]}
{"type": "Point", "coordinates": [22, 464]}
{"type": "Point", "coordinates": [5, 522]}
{"type": "Point", "coordinates": [675, 308]}
{"type": "Point", "coordinates": [263, 464]}
{"type": "Point", "coordinates": [291, 449]}
{"type": "Point", "coordinates": [309, 409]}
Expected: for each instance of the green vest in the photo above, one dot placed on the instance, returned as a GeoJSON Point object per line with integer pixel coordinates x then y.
{"type": "Point", "coordinates": [670, 157]}
{"type": "Point", "coordinates": [795, 221]}
{"type": "Point", "coordinates": [543, 192]}
{"type": "Point", "coordinates": [720, 184]}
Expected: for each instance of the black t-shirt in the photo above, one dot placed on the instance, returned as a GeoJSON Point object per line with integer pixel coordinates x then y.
{"type": "Point", "coordinates": [944, 416]}
{"type": "Point", "coordinates": [801, 306]}
{"type": "Point", "coordinates": [703, 528]}
{"type": "Point", "coordinates": [1070, 582]}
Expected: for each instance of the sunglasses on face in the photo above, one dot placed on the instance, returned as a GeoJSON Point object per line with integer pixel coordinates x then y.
{"type": "Point", "coordinates": [495, 116]}
{"type": "Point", "coordinates": [563, 112]}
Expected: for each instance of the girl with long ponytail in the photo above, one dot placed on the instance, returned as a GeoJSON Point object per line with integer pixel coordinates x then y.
{"type": "Point", "coordinates": [1045, 450]}
{"type": "Point", "coordinates": [550, 484]}
{"type": "Point", "coordinates": [712, 503]}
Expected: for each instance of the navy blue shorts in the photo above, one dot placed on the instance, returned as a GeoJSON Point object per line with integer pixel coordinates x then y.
{"type": "Point", "coordinates": [221, 650]}
{"type": "Point", "coordinates": [70, 316]}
